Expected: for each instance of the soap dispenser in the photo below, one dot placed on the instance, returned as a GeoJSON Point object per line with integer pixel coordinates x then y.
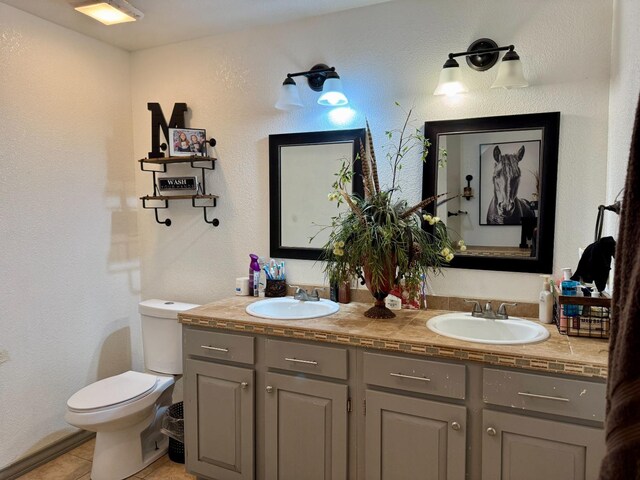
{"type": "Point", "coordinates": [545, 313]}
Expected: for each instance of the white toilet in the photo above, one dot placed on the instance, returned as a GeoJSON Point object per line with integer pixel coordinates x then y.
{"type": "Point", "coordinates": [126, 410]}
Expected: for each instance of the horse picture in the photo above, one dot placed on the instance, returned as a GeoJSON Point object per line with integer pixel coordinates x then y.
{"type": "Point", "coordinates": [505, 174]}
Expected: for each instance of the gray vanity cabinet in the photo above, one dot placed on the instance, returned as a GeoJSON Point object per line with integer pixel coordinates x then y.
{"type": "Point", "coordinates": [259, 407]}
{"type": "Point", "coordinates": [305, 428]}
{"type": "Point", "coordinates": [410, 438]}
{"type": "Point", "coordinates": [219, 420]}
{"type": "Point", "coordinates": [515, 447]}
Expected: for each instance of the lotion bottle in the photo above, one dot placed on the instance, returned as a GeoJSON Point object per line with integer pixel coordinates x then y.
{"type": "Point", "coordinates": [545, 313]}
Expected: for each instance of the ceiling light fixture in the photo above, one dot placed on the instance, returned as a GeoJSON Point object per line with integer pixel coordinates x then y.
{"type": "Point", "coordinates": [482, 55]}
{"type": "Point", "coordinates": [321, 78]}
{"type": "Point", "coordinates": [110, 12]}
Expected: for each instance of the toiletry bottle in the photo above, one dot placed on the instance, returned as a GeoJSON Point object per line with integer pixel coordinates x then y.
{"type": "Point", "coordinates": [254, 275]}
{"type": "Point", "coordinates": [569, 288]}
{"type": "Point", "coordinates": [545, 313]}
{"type": "Point", "coordinates": [334, 292]}
{"type": "Point", "coordinates": [344, 293]}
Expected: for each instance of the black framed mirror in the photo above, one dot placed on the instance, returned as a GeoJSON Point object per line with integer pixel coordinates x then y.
{"type": "Point", "coordinates": [302, 168]}
{"type": "Point", "coordinates": [500, 175]}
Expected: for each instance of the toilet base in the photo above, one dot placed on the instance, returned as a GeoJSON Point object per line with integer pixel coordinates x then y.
{"type": "Point", "coordinates": [122, 453]}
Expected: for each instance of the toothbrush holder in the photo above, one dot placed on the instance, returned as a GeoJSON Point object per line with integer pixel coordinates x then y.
{"type": "Point", "coordinates": [275, 288]}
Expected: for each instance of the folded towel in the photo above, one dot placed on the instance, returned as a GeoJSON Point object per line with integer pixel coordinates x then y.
{"type": "Point", "coordinates": [622, 461]}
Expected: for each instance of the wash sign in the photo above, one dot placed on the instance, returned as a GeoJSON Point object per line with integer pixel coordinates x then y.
{"type": "Point", "coordinates": [178, 183]}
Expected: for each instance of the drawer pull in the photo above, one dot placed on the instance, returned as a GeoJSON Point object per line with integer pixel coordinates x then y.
{"type": "Point", "coordinates": [491, 432]}
{"type": "Point", "coordinates": [456, 426]}
{"type": "Point", "coordinates": [269, 389]}
{"type": "Point", "coordinates": [545, 397]}
{"type": "Point", "coordinates": [244, 385]}
{"type": "Point", "coordinates": [297, 360]}
{"type": "Point", "coordinates": [410, 377]}
{"type": "Point", "coordinates": [217, 349]}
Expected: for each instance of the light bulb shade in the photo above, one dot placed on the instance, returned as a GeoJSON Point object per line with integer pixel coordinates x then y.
{"type": "Point", "coordinates": [289, 96]}
{"type": "Point", "coordinates": [510, 73]}
{"type": "Point", "coordinates": [332, 95]}
{"type": "Point", "coordinates": [450, 82]}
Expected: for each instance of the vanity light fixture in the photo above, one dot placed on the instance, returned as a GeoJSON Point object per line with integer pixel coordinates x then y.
{"type": "Point", "coordinates": [482, 55]}
{"type": "Point", "coordinates": [321, 78]}
{"type": "Point", "coordinates": [109, 12]}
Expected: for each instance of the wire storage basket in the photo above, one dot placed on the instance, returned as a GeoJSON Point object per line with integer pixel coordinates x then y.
{"type": "Point", "coordinates": [173, 427]}
{"type": "Point", "coordinates": [582, 316]}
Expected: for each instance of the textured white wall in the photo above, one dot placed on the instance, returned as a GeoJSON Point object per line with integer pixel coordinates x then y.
{"type": "Point", "coordinates": [68, 225]}
{"type": "Point", "coordinates": [385, 53]}
{"type": "Point", "coordinates": [623, 97]}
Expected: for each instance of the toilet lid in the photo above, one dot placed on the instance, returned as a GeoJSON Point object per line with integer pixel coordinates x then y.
{"type": "Point", "coordinates": [112, 391]}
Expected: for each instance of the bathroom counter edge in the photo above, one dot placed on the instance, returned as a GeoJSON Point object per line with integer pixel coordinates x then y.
{"type": "Point", "coordinates": [407, 333]}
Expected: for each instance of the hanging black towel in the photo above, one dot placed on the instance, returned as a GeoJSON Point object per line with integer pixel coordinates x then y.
{"type": "Point", "coordinates": [595, 263]}
{"type": "Point", "coordinates": [622, 461]}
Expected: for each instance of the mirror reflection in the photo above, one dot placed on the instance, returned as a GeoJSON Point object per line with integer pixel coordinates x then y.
{"type": "Point", "coordinates": [498, 216]}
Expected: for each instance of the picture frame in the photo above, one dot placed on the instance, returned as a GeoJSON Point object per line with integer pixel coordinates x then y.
{"type": "Point", "coordinates": [517, 166]}
{"type": "Point", "coordinates": [187, 142]}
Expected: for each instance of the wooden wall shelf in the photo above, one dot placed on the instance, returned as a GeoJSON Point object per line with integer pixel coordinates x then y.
{"type": "Point", "coordinates": [203, 163]}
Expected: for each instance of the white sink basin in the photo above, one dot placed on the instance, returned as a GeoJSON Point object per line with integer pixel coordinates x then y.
{"type": "Point", "coordinates": [286, 308]}
{"type": "Point", "coordinates": [463, 326]}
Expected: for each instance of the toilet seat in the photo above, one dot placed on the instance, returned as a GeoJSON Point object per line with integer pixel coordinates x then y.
{"type": "Point", "coordinates": [110, 392]}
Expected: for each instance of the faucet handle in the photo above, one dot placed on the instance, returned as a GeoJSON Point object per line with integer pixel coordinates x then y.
{"type": "Point", "coordinates": [502, 310]}
{"type": "Point", "coordinates": [477, 310]}
{"type": "Point", "coordinates": [298, 289]}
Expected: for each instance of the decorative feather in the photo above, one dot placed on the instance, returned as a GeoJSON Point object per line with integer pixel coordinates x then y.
{"type": "Point", "coordinates": [366, 173]}
{"type": "Point", "coordinates": [353, 206]}
{"type": "Point", "coordinates": [421, 205]}
{"type": "Point", "coordinates": [374, 163]}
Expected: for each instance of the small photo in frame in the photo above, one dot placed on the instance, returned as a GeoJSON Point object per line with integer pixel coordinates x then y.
{"type": "Point", "coordinates": [187, 142]}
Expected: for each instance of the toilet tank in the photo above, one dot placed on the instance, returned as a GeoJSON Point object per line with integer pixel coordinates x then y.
{"type": "Point", "coordinates": [162, 335]}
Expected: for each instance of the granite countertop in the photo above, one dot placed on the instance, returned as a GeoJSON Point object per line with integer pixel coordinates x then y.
{"type": "Point", "coordinates": [408, 333]}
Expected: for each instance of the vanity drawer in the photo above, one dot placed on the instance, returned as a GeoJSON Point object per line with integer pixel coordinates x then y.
{"type": "Point", "coordinates": [301, 357]}
{"type": "Point", "coordinates": [223, 346]}
{"type": "Point", "coordinates": [415, 375]}
{"type": "Point", "coordinates": [559, 396]}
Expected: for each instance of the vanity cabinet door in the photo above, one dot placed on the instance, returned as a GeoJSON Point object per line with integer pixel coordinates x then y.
{"type": "Point", "coordinates": [219, 420]}
{"type": "Point", "coordinates": [515, 447]}
{"type": "Point", "coordinates": [305, 429]}
{"type": "Point", "coordinates": [411, 438]}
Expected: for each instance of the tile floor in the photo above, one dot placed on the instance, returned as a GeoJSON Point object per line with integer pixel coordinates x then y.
{"type": "Point", "coordinates": [76, 465]}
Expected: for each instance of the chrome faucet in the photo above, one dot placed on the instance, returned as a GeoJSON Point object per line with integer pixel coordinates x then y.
{"type": "Point", "coordinates": [304, 296]}
{"type": "Point", "coordinates": [488, 312]}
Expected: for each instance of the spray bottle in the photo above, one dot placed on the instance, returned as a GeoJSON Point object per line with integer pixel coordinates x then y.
{"type": "Point", "coordinates": [254, 275]}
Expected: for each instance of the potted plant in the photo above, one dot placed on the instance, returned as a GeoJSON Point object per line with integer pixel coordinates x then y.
{"type": "Point", "coordinates": [380, 238]}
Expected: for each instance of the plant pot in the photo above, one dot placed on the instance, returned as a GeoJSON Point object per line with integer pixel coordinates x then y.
{"type": "Point", "coordinates": [379, 309]}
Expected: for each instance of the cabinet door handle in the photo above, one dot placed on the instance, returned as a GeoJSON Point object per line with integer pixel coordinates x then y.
{"type": "Point", "coordinates": [297, 360]}
{"type": "Point", "coordinates": [244, 385]}
{"type": "Point", "coordinates": [410, 377]}
{"type": "Point", "coordinates": [544, 397]}
{"type": "Point", "coordinates": [269, 389]}
{"type": "Point", "coordinates": [456, 426]}
{"type": "Point", "coordinates": [217, 349]}
{"type": "Point", "coordinates": [491, 432]}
